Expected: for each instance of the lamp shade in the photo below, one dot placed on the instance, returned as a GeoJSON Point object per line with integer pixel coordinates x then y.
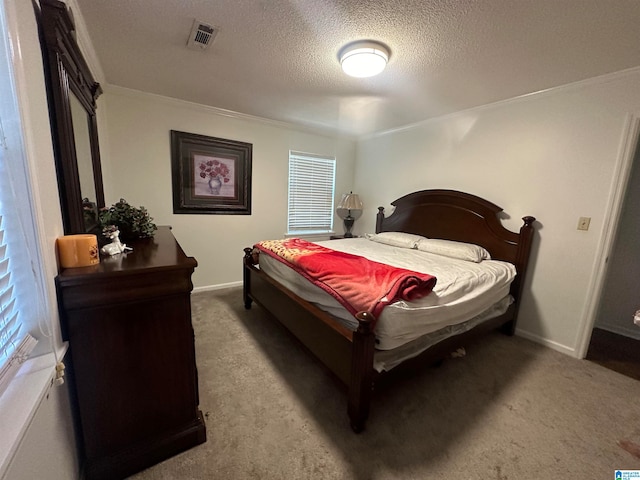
{"type": "Point", "coordinates": [363, 58]}
{"type": "Point", "coordinates": [350, 205]}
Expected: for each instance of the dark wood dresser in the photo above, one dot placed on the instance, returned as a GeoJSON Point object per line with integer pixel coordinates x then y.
{"type": "Point", "coordinates": [133, 366]}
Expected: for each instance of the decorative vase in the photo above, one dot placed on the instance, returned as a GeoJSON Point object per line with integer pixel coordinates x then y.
{"type": "Point", "coordinates": [214, 185]}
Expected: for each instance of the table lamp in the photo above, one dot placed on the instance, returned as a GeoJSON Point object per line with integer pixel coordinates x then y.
{"type": "Point", "coordinates": [349, 209]}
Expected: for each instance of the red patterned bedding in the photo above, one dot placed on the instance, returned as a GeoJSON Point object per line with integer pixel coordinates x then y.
{"type": "Point", "coordinates": [357, 283]}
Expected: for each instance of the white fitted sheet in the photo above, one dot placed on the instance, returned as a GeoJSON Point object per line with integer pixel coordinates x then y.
{"type": "Point", "coordinates": [463, 290]}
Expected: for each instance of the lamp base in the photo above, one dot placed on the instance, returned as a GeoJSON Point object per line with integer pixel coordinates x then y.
{"type": "Point", "coordinates": [348, 225]}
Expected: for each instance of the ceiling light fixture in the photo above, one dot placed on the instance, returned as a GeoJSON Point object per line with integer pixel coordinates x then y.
{"type": "Point", "coordinates": [364, 58]}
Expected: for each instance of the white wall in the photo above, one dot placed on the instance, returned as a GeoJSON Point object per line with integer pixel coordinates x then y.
{"type": "Point", "coordinates": [551, 155]}
{"type": "Point", "coordinates": [47, 450]}
{"type": "Point", "coordinates": [137, 134]}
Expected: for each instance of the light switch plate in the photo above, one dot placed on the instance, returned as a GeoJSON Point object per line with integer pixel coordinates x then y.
{"type": "Point", "coordinates": [583, 223]}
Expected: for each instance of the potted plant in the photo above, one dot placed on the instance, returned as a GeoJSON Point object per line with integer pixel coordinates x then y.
{"type": "Point", "coordinates": [132, 222]}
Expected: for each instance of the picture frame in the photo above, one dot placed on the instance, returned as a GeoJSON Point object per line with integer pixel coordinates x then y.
{"type": "Point", "coordinates": [210, 175]}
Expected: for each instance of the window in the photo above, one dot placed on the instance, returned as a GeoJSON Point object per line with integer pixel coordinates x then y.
{"type": "Point", "coordinates": [25, 154]}
{"type": "Point", "coordinates": [15, 344]}
{"type": "Point", "coordinates": [21, 295]}
{"type": "Point", "coordinates": [312, 181]}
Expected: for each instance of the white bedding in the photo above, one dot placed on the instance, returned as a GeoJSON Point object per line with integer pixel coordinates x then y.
{"type": "Point", "coordinates": [463, 289]}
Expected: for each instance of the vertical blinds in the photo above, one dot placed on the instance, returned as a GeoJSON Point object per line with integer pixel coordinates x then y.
{"type": "Point", "coordinates": [311, 193]}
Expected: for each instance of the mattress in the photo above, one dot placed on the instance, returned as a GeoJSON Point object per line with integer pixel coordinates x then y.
{"type": "Point", "coordinates": [464, 290]}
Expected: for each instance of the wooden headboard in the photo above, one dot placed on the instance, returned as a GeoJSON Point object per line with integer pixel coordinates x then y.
{"type": "Point", "coordinates": [462, 217]}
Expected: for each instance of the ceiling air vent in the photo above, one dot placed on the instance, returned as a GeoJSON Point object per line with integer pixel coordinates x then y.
{"type": "Point", "coordinates": [201, 36]}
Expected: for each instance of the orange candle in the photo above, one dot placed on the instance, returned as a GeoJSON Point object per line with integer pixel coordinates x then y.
{"type": "Point", "coordinates": [78, 250]}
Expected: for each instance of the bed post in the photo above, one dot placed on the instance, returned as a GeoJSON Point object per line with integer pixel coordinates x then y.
{"type": "Point", "coordinates": [361, 385]}
{"type": "Point", "coordinates": [522, 260]}
{"type": "Point", "coordinates": [247, 262]}
{"type": "Point", "coordinates": [379, 219]}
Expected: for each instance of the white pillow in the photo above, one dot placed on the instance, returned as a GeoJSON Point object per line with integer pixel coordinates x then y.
{"type": "Point", "coordinates": [449, 248]}
{"type": "Point", "coordinates": [396, 239]}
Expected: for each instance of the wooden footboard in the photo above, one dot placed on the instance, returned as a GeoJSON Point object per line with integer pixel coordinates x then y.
{"type": "Point", "coordinates": [349, 354]}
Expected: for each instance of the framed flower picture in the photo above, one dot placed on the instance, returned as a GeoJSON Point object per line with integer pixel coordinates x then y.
{"type": "Point", "coordinates": [210, 175]}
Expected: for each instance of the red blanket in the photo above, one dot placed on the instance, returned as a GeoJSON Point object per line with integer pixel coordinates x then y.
{"type": "Point", "coordinates": [357, 283]}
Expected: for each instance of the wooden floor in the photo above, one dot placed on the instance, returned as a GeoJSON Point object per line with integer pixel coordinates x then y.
{"type": "Point", "coordinates": [615, 352]}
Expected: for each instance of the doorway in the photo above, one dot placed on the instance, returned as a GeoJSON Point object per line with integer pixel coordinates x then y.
{"type": "Point", "coordinates": [615, 339]}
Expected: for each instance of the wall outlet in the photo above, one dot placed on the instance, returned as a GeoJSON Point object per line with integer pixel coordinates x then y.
{"type": "Point", "coordinates": [583, 223]}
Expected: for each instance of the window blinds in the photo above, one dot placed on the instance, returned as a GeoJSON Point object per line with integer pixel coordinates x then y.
{"type": "Point", "coordinates": [15, 345]}
{"type": "Point", "coordinates": [311, 193]}
{"type": "Point", "coordinates": [20, 296]}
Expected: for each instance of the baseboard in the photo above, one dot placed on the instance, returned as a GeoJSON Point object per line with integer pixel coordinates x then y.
{"type": "Point", "coordinates": [221, 286]}
{"type": "Point", "coordinates": [548, 343]}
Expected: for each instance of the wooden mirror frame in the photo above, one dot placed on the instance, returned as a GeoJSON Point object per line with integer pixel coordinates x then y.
{"type": "Point", "coordinates": [68, 74]}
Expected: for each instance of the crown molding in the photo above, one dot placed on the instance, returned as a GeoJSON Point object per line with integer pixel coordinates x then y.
{"type": "Point", "coordinates": [132, 93]}
{"type": "Point", "coordinates": [84, 42]}
{"type": "Point", "coordinates": [600, 79]}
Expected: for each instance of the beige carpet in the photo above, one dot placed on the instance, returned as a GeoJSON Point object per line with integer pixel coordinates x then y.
{"type": "Point", "coordinates": [509, 409]}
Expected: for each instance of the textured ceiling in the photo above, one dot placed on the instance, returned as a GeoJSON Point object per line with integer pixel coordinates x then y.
{"type": "Point", "coordinates": [277, 59]}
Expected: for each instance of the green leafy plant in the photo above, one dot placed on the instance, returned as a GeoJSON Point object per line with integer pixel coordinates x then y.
{"type": "Point", "coordinates": [131, 221]}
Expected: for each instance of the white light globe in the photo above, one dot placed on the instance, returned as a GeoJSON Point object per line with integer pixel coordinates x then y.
{"type": "Point", "coordinates": [364, 59]}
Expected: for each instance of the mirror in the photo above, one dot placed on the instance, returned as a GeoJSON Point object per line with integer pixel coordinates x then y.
{"type": "Point", "coordinates": [72, 94]}
{"type": "Point", "coordinates": [82, 142]}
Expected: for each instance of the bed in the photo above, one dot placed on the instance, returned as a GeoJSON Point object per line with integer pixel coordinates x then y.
{"type": "Point", "coordinates": [349, 345]}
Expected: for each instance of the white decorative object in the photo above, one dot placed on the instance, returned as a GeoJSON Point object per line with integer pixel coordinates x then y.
{"type": "Point", "coordinates": [636, 318]}
{"type": "Point", "coordinates": [116, 246]}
